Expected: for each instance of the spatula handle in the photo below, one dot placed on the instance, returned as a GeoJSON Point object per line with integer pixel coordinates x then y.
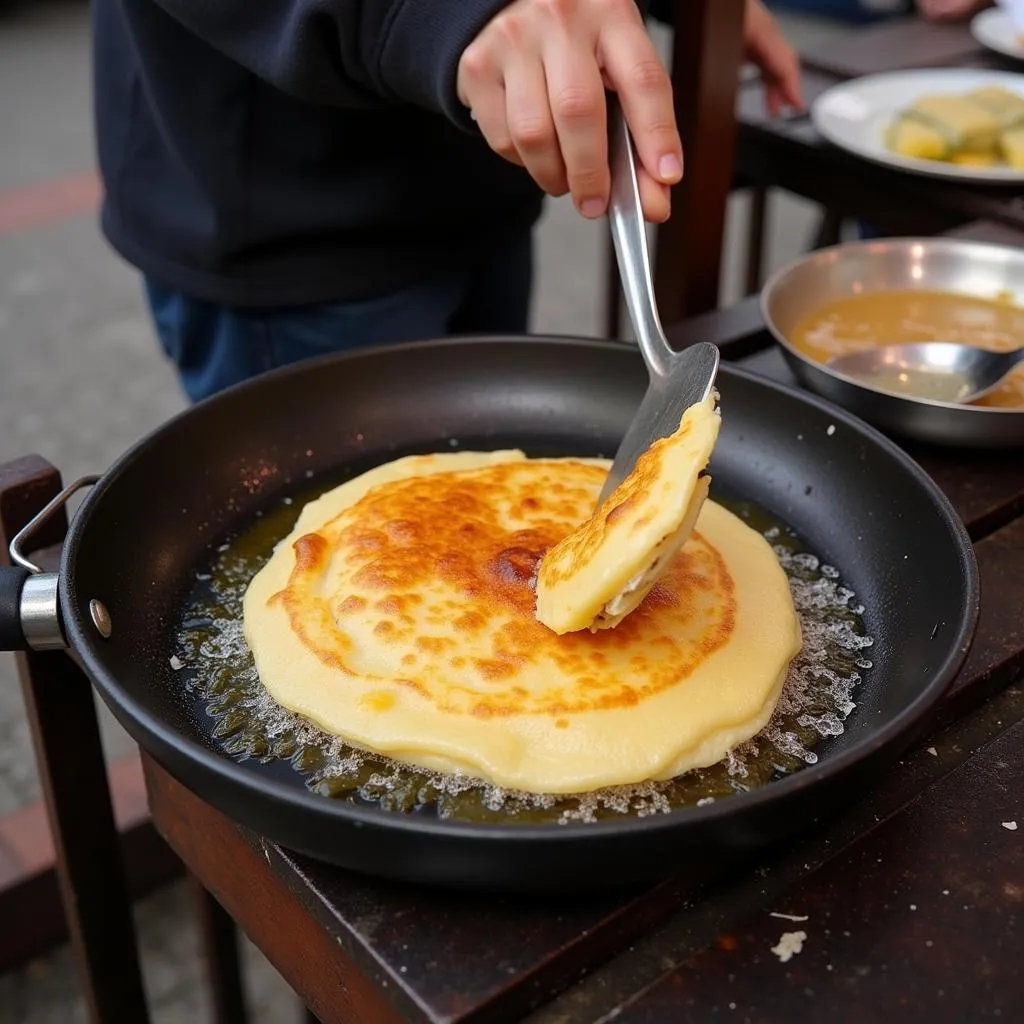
{"type": "Point", "coordinates": [629, 234]}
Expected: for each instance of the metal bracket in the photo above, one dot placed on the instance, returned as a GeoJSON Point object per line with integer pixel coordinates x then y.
{"type": "Point", "coordinates": [17, 547]}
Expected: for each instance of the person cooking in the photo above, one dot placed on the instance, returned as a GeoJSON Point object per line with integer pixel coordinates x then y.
{"type": "Point", "coordinates": [294, 177]}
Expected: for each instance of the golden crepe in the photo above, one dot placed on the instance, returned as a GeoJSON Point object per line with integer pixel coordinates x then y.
{"type": "Point", "coordinates": [399, 614]}
{"type": "Point", "coordinates": [599, 573]}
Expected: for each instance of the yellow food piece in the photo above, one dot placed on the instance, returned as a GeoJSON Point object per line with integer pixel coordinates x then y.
{"type": "Point", "coordinates": [975, 159]}
{"type": "Point", "coordinates": [1007, 106]}
{"type": "Point", "coordinates": [1012, 145]}
{"type": "Point", "coordinates": [399, 614]}
{"type": "Point", "coordinates": [965, 125]}
{"type": "Point", "coordinates": [981, 128]}
{"type": "Point", "coordinates": [911, 138]}
{"type": "Point", "coordinates": [601, 571]}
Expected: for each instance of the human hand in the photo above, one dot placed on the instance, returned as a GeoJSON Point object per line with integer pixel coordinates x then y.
{"type": "Point", "coordinates": [949, 10]}
{"type": "Point", "coordinates": [767, 47]}
{"type": "Point", "coordinates": [535, 81]}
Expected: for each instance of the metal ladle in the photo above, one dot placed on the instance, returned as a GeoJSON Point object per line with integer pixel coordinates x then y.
{"type": "Point", "coordinates": [942, 371]}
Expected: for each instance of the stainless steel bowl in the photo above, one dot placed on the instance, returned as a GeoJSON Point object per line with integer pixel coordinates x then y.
{"type": "Point", "coordinates": [926, 264]}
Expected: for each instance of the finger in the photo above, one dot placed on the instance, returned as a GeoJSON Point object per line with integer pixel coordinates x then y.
{"type": "Point", "coordinates": [485, 97]}
{"type": "Point", "coordinates": [655, 198]}
{"type": "Point", "coordinates": [531, 126]}
{"type": "Point", "coordinates": [780, 68]}
{"type": "Point", "coordinates": [576, 95]}
{"type": "Point", "coordinates": [645, 91]}
{"type": "Point", "coordinates": [793, 89]}
{"type": "Point", "coordinates": [790, 79]}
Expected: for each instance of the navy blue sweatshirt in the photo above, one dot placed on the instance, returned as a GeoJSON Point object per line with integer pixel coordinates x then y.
{"type": "Point", "coordinates": [278, 152]}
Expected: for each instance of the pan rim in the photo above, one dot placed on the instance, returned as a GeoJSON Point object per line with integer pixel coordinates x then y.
{"type": "Point", "coordinates": [236, 775]}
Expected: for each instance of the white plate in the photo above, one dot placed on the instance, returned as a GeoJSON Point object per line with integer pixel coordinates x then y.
{"type": "Point", "coordinates": [855, 115]}
{"type": "Point", "coordinates": [994, 29]}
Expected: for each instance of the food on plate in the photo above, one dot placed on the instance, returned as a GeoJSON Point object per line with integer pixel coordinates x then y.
{"type": "Point", "coordinates": [901, 316]}
{"type": "Point", "coordinates": [1012, 147]}
{"type": "Point", "coordinates": [594, 577]}
{"type": "Point", "coordinates": [400, 615]}
{"type": "Point", "coordinates": [977, 128]}
{"type": "Point", "coordinates": [1006, 105]}
{"type": "Point", "coordinates": [966, 125]}
{"type": "Point", "coordinates": [909, 137]}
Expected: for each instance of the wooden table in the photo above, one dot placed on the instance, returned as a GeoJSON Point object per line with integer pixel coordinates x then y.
{"type": "Point", "coordinates": [789, 153]}
{"type": "Point", "coordinates": [911, 899]}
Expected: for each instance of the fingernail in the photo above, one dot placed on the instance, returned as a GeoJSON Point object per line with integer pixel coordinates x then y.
{"type": "Point", "coordinates": [592, 208]}
{"type": "Point", "coordinates": [670, 168]}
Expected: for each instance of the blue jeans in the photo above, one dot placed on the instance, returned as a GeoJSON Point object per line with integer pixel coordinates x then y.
{"type": "Point", "coordinates": [215, 346]}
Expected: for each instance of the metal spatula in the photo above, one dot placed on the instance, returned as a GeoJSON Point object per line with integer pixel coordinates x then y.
{"type": "Point", "coordinates": [678, 379]}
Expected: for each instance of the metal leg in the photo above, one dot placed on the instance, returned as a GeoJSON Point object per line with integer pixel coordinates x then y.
{"type": "Point", "coordinates": [755, 238]}
{"type": "Point", "coordinates": [830, 229]}
{"type": "Point", "coordinates": [219, 937]}
{"type": "Point", "coordinates": [69, 753]}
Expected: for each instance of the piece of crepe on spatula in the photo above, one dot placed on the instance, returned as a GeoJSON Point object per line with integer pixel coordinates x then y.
{"type": "Point", "coordinates": [608, 565]}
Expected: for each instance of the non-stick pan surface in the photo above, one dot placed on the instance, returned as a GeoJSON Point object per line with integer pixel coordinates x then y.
{"type": "Point", "coordinates": [857, 501]}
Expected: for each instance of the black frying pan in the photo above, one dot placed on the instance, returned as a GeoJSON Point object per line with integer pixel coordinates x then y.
{"type": "Point", "coordinates": [857, 500]}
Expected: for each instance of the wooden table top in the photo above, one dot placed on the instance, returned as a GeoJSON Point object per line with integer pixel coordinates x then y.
{"type": "Point", "coordinates": [910, 900]}
{"type": "Point", "coordinates": [790, 154]}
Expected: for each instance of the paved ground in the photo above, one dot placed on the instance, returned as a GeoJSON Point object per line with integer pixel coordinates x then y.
{"type": "Point", "coordinates": [81, 379]}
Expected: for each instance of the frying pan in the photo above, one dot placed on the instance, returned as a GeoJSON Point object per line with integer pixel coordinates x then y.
{"type": "Point", "coordinates": [133, 548]}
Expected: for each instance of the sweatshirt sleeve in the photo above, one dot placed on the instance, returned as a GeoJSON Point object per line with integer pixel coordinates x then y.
{"type": "Point", "coordinates": [345, 52]}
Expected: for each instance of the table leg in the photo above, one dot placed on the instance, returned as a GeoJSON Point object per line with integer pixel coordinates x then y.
{"type": "Point", "coordinates": [219, 937]}
{"type": "Point", "coordinates": [72, 770]}
{"type": "Point", "coordinates": [755, 239]}
{"type": "Point", "coordinates": [830, 230]}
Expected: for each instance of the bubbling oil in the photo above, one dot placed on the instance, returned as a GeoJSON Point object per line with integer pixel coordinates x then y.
{"type": "Point", "coordinates": [214, 664]}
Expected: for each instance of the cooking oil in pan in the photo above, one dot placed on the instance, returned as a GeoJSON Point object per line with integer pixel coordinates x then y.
{"type": "Point", "coordinates": [213, 662]}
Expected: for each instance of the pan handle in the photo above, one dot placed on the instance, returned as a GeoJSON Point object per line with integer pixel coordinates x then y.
{"type": "Point", "coordinates": [12, 586]}
{"type": "Point", "coordinates": [30, 616]}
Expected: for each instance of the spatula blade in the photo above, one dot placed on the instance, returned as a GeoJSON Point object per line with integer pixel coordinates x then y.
{"type": "Point", "coordinates": [689, 379]}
